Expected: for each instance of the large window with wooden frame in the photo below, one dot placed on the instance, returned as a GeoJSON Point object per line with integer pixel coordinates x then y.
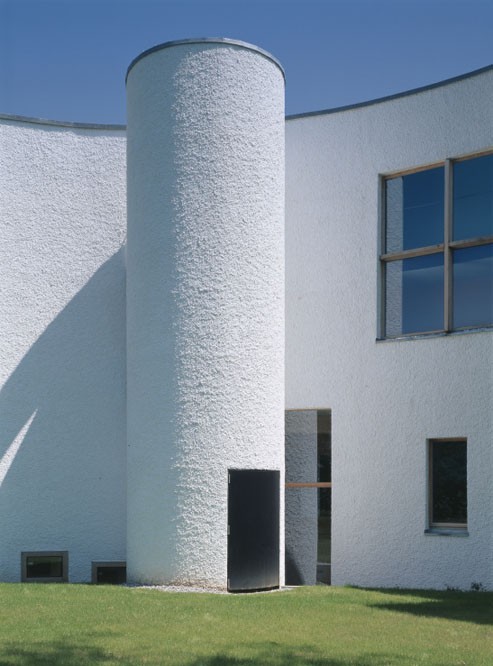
{"type": "Point", "coordinates": [447, 484]}
{"type": "Point", "coordinates": [437, 259]}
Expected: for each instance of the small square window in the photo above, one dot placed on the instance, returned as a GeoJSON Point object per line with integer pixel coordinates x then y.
{"type": "Point", "coordinates": [109, 573]}
{"type": "Point", "coordinates": [448, 483]}
{"type": "Point", "coordinates": [44, 566]}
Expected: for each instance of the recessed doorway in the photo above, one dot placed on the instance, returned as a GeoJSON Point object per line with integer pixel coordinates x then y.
{"type": "Point", "coordinates": [308, 497]}
{"type": "Point", "coordinates": [253, 529]}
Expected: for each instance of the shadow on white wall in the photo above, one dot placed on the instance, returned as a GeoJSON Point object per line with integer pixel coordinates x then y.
{"type": "Point", "coordinates": [63, 435]}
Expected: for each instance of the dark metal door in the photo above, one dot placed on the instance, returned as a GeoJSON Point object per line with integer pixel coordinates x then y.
{"type": "Point", "coordinates": [253, 529]}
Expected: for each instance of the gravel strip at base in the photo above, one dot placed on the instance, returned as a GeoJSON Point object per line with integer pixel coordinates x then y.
{"type": "Point", "coordinates": [178, 588]}
{"type": "Point", "coordinates": [201, 590]}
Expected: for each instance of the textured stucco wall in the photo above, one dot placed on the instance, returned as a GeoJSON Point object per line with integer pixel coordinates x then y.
{"type": "Point", "coordinates": [62, 344]}
{"type": "Point", "coordinates": [205, 288]}
{"type": "Point", "coordinates": [62, 328]}
{"type": "Point", "coordinates": [388, 397]}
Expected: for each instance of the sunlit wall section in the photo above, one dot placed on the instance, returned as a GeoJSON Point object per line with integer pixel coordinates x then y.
{"type": "Point", "coordinates": [205, 318]}
{"type": "Point", "coordinates": [388, 235]}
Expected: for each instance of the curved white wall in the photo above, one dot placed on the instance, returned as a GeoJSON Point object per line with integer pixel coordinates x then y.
{"type": "Point", "coordinates": [205, 298]}
{"type": "Point", "coordinates": [387, 397]}
{"type": "Point", "coordinates": [62, 344]}
{"type": "Point", "coordinates": [205, 326]}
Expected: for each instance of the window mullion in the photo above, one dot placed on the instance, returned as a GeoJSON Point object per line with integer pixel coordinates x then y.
{"type": "Point", "coordinates": [447, 251]}
{"type": "Point", "coordinates": [382, 305]}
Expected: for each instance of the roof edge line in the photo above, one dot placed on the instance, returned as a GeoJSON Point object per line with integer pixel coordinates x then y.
{"type": "Point", "coordinates": [60, 123]}
{"type": "Point", "coordinates": [387, 98]}
{"type": "Point", "coordinates": [293, 116]}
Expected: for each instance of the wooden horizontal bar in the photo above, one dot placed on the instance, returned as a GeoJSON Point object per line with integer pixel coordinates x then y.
{"type": "Point", "coordinates": [410, 334]}
{"type": "Point", "coordinates": [452, 526]}
{"type": "Point", "coordinates": [407, 172]}
{"type": "Point", "coordinates": [321, 484]}
{"type": "Point", "coordinates": [471, 242]}
{"type": "Point", "coordinates": [410, 254]}
{"type": "Point", "coordinates": [469, 156]}
{"type": "Point", "coordinates": [434, 165]}
{"type": "Point", "coordinates": [435, 249]}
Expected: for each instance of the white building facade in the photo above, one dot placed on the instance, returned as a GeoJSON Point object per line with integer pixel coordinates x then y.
{"type": "Point", "coordinates": [220, 327]}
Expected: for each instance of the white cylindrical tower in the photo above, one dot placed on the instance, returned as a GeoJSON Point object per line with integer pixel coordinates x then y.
{"type": "Point", "coordinates": [205, 298]}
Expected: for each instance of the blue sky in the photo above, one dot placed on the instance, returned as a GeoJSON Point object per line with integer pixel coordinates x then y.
{"type": "Point", "coordinates": [66, 59]}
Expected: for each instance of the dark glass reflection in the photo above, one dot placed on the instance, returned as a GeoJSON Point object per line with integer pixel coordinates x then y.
{"type": "Point", "coordinates": [449, 482]}
{"type": "Point", "coordinates": [414, 295]}
{"type": "Point", "coordinates": [324, 514]}
{"type": "Point", "coordinates": [415, 210]}
{"type": "Point", "coordinates": [44, 566]}
{"type": "Point", "coordinates": [473, 198]}
{"type": "Point", "coordinates": [473, 286]}
{"type": "Point", "coordinates": [323, 446]}
{"type": "Point", "coordinates": [111, 575]}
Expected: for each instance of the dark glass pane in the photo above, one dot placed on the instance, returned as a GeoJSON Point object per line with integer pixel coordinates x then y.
{"type": "Point", "coordinates": [253, 534]}
{"type": "Point", "coordinates": [324, 515]}
{"type": "Point", "coordinates": [473, 198]}
{"type": "Point", "coordinates": [44, 566]}
{"type": "Point", "coordinates": [111, 575]}
{"type": "Point", "coordinates": [414, 289]}
{"type": "Point", "coordinates": [323, 445]}
{"type": "Point", "coordinates": [473, 286]}
{"type": "Point", "coordinates": [449, 482]}
{"type": "Point", "coordinates": [415, 210]}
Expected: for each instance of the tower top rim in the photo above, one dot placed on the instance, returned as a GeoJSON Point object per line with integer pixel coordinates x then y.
{"type": "Point", "coordinates": [205, 40]}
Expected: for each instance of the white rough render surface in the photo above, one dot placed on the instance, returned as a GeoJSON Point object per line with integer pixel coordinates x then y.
{"type": "Point", "coordinates": [205, 301]}
{"type": "Point", "coordinates": [62, 344]}
{"type": "Point", "coordinates": [62, 329]}
{"type": "Point", "coordinates": [387, 398]}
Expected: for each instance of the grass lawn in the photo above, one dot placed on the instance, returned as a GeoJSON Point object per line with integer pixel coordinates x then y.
{"type": "Point", "coordinates": [82, 624]}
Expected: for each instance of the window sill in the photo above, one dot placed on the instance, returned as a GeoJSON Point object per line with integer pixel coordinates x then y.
{"type": "Point", "coordinates": [443, 531]}
{"type": "Point", "coordinates": [44, 579]}
{"type": "Point", "coordinates": [436, 334]}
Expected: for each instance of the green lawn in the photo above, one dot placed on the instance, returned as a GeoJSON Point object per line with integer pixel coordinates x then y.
{"type": "Point", "coordinates": [81, 624]}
